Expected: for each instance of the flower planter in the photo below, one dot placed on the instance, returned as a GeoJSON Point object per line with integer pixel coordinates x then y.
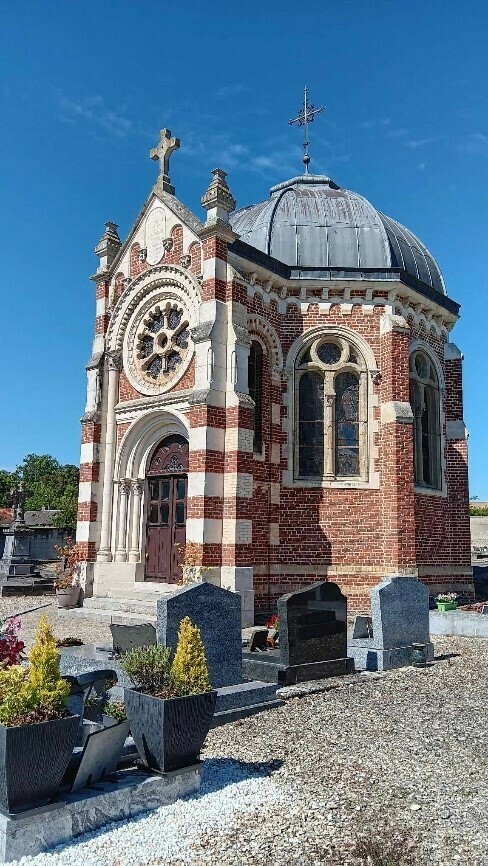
{"type": "Point", "coordinates": [33, 760]}
{"type": "Point", "coordinates": [169, 733]}
{"type": "Point", "coordinates": [68, 597]}
{"type": "Point", "coordinates": [446, 605]}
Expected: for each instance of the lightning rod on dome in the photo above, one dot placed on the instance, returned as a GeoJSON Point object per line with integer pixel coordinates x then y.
{"type": "Point", "coordinates": [305, 116]}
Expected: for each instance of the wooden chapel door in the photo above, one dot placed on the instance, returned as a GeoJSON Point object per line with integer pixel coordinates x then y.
{"type": "Point", "coordinates": [167, 481]}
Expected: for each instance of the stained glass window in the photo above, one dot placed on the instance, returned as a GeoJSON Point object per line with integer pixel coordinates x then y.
{"type": "Point", "coordinates": [255, 384]}
{"type": "Point", "coordinates": [172, 361]}
{"type": "Point", "coordinates": [425, 402]}
{"type": "Point", "coordinates": [146, 346]}
{"type": "Point", "coordinates": [311, 425]}
{"type": "Point", "coordinates": [156, 323]}
{"type": "Point", "coordinates": [182, 339]}
{"type": "Point", "coordinates": [331, 435]}
{"type": "Point", "coordinates": [174, 318]}
{"type": "Point", "coordinates": [329, 353]}
{"type": "Point", "coordinates": [347, 424]}
{"type": "Point", "coordinates": [155, 367]}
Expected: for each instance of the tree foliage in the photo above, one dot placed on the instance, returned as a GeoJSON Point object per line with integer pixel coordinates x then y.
{"type": "Point", "coordinates": [48, 484]}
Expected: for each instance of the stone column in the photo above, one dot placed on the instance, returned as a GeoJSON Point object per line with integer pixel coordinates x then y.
{"type": "Point", "coordinates": [121, 551]}
{"type": "Point", "coordinates": [114, 366]}
{"type": "Point", "coordinates": [134, 552]}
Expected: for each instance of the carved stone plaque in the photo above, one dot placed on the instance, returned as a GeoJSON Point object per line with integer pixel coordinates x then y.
{"type": "Point", "coordinates": [155, 235]}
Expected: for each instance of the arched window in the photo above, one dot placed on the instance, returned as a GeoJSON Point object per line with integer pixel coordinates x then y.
{"type": "Point", "coordinates": [255, 385]}
{"type": "Point", "coordinates": [425, 401]}
{"type": "Point", "coordinates": [331, 415]}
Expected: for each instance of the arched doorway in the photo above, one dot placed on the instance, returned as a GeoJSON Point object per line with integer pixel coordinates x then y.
{"type": "Point", "coordinates": [167, 482]}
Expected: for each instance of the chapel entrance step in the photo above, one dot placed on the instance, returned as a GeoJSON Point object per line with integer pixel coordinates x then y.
{"type": "Point", "coordinates": [147, 592]}
{"type": "Point", "coordinates": [127, 605]}
{"type": "Point", "coordinates": [108, 616]}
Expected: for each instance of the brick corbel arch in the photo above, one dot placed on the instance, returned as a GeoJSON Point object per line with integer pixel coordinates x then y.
{"type": "Point", "coordinates": [258, 326]}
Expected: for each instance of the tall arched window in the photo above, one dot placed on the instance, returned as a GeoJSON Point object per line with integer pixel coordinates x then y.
{"type": "Point", "coordinates": [331, 413]}
{"type": "Point", "coordinates": [255, 384]}
{"type": "Point", "coordinates": [425, 401]}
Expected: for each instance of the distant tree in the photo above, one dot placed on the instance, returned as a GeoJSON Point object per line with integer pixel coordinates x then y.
{"type": "Point", "coordinates": [8, 480]}
{"type": "Point", "coordinates": [50, 484]}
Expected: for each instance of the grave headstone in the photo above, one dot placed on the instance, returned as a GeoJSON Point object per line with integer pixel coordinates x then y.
{"type": "Point", "coordinates": [312, 638]}
{"type": "Point", "coordinates": [313, 625]}
{"type": "Point", "coordinates": [217, 613]}
{"type": "Point", "coordinates": [399, 620]}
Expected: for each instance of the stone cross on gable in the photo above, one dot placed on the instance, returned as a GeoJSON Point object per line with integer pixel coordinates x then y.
{"type": "Point", "coordinates": [166, 146]}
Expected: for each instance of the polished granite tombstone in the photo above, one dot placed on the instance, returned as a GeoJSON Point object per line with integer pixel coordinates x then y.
{"type": "Point", "coordinates": [313, 638]}
{"type": "Point", "coordinates": [398, 624]}
{"type": "Point", "coordinates": [217, 613]}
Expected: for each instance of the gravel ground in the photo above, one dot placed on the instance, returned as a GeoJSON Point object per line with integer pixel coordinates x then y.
{"type": "Point", "coordinates": [401, 753]}
{"type": "Point", "coordinates": [90, 631]}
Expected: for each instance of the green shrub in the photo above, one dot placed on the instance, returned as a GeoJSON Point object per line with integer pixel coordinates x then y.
{"type": "Point", "coordinates": [148, 667]}
{"type": "Point", "coordinates": [189, 670]}
{"type": "Point", "coordinates": [152, 670]}
{"type": "Point", "coordinates": [116, 710]}
{"type": "Point", "coordinates": [36, 693]}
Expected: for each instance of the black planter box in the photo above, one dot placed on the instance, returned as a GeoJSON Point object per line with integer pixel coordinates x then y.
{"type": "Point", "coordinates": [33, 760]}
{"type": "Point", "coordinates": [169, 733]}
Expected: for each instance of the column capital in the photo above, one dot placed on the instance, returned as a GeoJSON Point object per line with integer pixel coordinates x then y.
{"type": "Point", "coordinates": [114, 360]}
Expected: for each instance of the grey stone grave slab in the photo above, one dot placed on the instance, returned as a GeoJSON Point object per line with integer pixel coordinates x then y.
{"type": "Point", "coordinates": [217, 613]}
{"type": "Point", "coordinates": [86, 810]}
{"type": "Point", "coordinates": [101, 754]}
{"type": "Point", "coordinates": [399, 620]}
{"type": "Point", "coordinates": [313, 638]}
{"type": "Point", "coordinates": [127, 637]}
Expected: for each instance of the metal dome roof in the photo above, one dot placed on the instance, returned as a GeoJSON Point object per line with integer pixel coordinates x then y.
{"type": "Point", "coordinates": [310, 221]}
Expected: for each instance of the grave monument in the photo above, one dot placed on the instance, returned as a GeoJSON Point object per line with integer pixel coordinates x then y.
{"type": "Point", "coordinates": [397, 627]}
{"type": "Point", "coordinates": [313, 638]}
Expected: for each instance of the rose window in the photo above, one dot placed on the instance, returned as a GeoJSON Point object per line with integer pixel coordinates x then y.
{"type": "Point", "coordinates": [162, 343]}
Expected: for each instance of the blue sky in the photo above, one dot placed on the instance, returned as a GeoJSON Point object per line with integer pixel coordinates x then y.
{"type": "Point", "coordinates": [85, 87]}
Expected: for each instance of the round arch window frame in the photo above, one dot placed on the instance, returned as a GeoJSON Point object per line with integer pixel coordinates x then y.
{"type": "Point", "coordinates": [348, 359]}
{"type": "Point", "coordinates": [433, 380]}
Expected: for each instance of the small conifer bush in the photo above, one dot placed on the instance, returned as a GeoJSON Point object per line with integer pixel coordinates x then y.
{"type": "Point", "coordinates": [150, 668]}
{"type": "Point", "coordinates": [36, 693]}
{"type": "Point", "coordinates": [189, 669]}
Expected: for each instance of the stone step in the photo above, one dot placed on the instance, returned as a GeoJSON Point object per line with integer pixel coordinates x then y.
{"type": "Point", "coordinates": [126, 605]}
{"type": "Point", "coordinates": [107, 616]}
{"type": "Point", "coordinates": [147, 594]}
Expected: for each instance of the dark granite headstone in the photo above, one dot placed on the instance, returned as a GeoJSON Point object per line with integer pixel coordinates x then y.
{"type": "Point", "coordinates": [217, 613]}
{"type": "Point", "coordinates": [313, 625]}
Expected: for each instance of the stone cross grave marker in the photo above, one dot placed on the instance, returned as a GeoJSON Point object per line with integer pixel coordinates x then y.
{"type": "Point", "coordinates": [217, 613]}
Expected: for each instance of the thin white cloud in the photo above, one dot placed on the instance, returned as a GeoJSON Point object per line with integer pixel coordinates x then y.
{"type": "Point", "coordinates": [422, 166]}
{"type": "Point", "coordinates": [397, 133]}
{"type": "Point", "coordinates": [228, 90]}
{"type": "Point", "coordinates": [475, 144]}
{"type": "Point", "coordinates": [374, 124]}
{"type": "Point", "coordinates": [93, 111]}
{"type": "Point", "coordinates": [421, 142]}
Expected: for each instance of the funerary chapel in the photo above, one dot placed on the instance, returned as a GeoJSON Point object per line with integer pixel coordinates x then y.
{"type": "Point", "coordinates": [272, 395]}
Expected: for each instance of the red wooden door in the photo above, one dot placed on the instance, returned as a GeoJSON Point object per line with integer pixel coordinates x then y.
{"type": "Point", "coordinates": [166, 511]}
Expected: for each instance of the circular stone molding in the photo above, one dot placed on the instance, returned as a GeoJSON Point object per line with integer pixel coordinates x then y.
{"type": "Point", "coordinates": [158, 346]}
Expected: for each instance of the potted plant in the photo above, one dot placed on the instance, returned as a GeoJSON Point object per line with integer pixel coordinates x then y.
{"type": "Point", "coordinates": [37, 734]}
{"type": "Point", "coordinates": [66, 584]}
{"type": "Point", "coordinates": [171, 708]}
{"type": "Point", "coordinates": [11, 647]}
{"type": "Point", "coordinates": [447, 601]}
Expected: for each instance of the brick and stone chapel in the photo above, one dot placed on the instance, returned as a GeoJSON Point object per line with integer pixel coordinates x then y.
{"type": "Point", "coordinates": [275, 387]}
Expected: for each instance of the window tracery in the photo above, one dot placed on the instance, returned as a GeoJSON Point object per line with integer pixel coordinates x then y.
{"type": "Point", "coordinates": [331, 411]}
{"type": "Point", "coordinates": [425, 402]}
{"type": "Point", "coordinates": [162, 343]}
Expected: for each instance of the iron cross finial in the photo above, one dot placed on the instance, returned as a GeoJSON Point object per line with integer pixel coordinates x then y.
{"type": "Point", "coordinates": [166, 146]}
{"type": "Point", "coordinates": [305, 116]}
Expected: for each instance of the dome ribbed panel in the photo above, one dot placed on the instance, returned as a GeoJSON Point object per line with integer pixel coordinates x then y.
{"type": "Point", "coordinates": [309, 223]}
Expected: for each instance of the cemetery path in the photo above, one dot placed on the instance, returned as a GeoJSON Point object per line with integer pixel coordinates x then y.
{"type": "Point", "coordinates": [88, 630]}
